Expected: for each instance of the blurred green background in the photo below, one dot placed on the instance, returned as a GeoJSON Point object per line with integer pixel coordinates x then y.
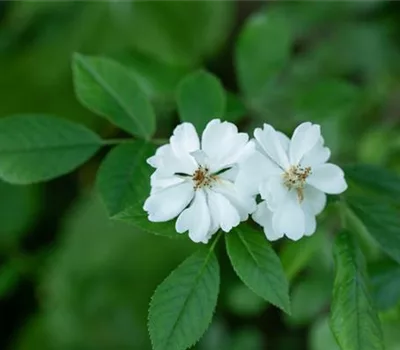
{"type": "Point", "coordinates": [70, 279]}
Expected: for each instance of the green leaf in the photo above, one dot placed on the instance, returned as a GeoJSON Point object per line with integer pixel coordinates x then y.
{"type": "Point", "coordinates": [37, 148]}
{"type": "Point", "coordinates": [262, 51]}
{"type": "Point", "coordinates": [183, 305]}
{"type": "Point", "coordinates": [354, 320]}
{"type": "Point", "coordinates": [381, 220]}
{"type": "Point", "coordinates": [258, 266]}
{"type": "Point", "coordinates": [120, 179]}
{"type": "Point", "coordinates": [377, 178]}
{"type": "Point", "coordinates": [200, 98]}
{"type": "Point", "coordinates": [110, 90]}
{"type": "Point", "coordinates": [385, 282]}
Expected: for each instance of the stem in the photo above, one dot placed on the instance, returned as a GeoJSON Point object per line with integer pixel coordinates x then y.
{"type": "Point", "coordinates": [214, 243]}
{"type": "Point", "coordinates": [111, 142]}
{"type": "Point", "coordinates": [342, 208]}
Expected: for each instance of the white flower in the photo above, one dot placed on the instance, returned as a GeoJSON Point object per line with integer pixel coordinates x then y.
{"type": "Point", "coordinates": [292, 177]}
{"type": "Point", "coordinates": [196, 182]}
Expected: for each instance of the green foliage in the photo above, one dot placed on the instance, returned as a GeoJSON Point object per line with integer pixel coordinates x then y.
{"type": "Point", "coordinates": [257, 265]}
{"type": "Point", "coordinates": [385, 284]}
{"type": "Point", "coordinates": [321, 337]}
{"type": "Point", "coordinates": [9, 277]}
{"type": "Point", "coordinates": [296, 255]}
{"type": "Point", "coordinates": [182, 306]}
{"type": "Point", "coordinates": [381, 220]}
{"type": "Point", "coordinates": [176, 31]}
{"type": "Point", "coordinates": [200, 97]}
{"type": "Point", "coordinates": [101, 278]}
{"type": "Point", "coordinates": [325, 99]}
{"type": "Point", "coordinates": [316, 287]}
{"type": "Point", "coordinates": [354, 320]}
{"type": "Point", "coordinates": [37, 148]}
{"type": "Point", "coordinates": [18, 210]}
{"type": "Point", "coordinates": [110, 90]}
{"type": "Point", "coordinates": [235, 108]}
{"type": "Point", "coordinates": [381, 180]}
{"type": "Point", "coordinates": [262, 50]}
{"type": "Point", "coordinates": [123, 178]}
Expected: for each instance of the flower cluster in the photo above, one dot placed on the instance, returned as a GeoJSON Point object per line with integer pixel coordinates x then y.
{"type": "Point", "coordinates": [213, 183]}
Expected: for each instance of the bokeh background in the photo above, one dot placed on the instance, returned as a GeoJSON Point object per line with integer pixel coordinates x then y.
{"type": "Point", "coordinates": [70, 279]}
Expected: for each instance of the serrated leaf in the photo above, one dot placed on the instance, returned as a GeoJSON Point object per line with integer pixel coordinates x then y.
{"type": "Point", "coordinates": [200, 98]}
{"type": "Point", "coordinates": [381, 220]}
{"type": "Point", "coordinates": [258, 266]}
{"type": "Point", "coordinates": [183, 305]}
{"type": "Point", "coordinates": [110, 90]}
{"type": "Point", "coordinates": [120, 179]}
{"type": "Point", "coordinates": [262, 50]}
{"type": "Point", "coordinates": [354, 320]}
{"type": "Point", "coordinates": [36, 148]}
{"type": "Point", "coordinates": [385, 283]}
{"type": "Point", "coordinates": [377, 178]}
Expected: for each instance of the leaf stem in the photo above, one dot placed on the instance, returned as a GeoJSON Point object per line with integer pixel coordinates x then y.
{"type": "Point", "coordinates": [214, 243]}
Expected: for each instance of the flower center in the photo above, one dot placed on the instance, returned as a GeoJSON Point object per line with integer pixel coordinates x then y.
{"type": "Point", "coordinates": [202, 178]}
{"type": "Point", "coordinates": [295, 178]}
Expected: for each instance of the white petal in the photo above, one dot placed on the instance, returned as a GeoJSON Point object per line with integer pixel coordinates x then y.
{"type": "Point", "coordinates": [310, 223]}
{"type": "Point", "coordinates": [274, 192]}
{"type": "Point", "coordinates": [156, 160]}
{"type": "Point", "coordinates": [222, 211]}
{"type": "Point", "coordinates": [314, 200]}
{"type": "Point", "coordinates": [285, 141]}
{"type": "Point", "coordinates": [223, 144]}
{"type": "Point", "coordinates": [170, 163]}
{"type": "Point", "coordinates": [196, 219]}
{"type": "Point", "coordinates": [244, 203]}
{"type": "Point", "coordinates": [160, 181]}
{"type": "Point", "coordinates": [184, 139]}
{"type": "Point", "coordinates": [270, 143]}
{"type": "Point", "coordinates": [289, 218]}
{"type": "Point", "coordinates": [230, 174]}
{"type": "Point", "coordinates": [328, 178]}
{"type": "Point", "coordinates": [317, 155]}
{"type": "Point", "coordinates": [263, 217]}
{"type": "Point", "coordinates": [200, 157]}
{"type": "Point", "coordinates": [166, 204]}
{"type": "Point", "coordinates": [253, 171]}
{"type": "Point", "coordinates": [303, 140]}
